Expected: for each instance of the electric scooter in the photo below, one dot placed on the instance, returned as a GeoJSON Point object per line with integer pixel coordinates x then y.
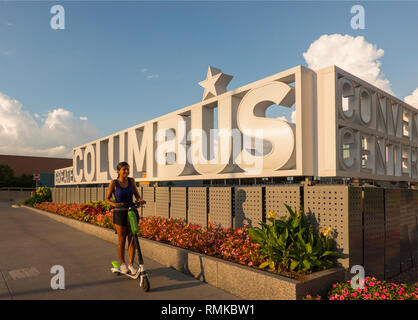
{"type": "Point", "coordinates": [141, 274]}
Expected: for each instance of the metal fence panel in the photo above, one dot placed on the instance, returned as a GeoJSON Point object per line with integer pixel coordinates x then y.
{"type": "Point", "coordinates": [93, 194]}
{"type": "Point", "coordinates": [408, 219]}
{"type": "Point", "coordinates": [415, 230]}
{"type": "Point", "coordinates": [88, 194]}
{"type": "Point", "coordinates": [54, 194]}
{"type": "Point", "coordinates": [221, 206]}
{"type": "Point", "coordinates": [162, 201]}
{"type": "Point", "coordinates": [392, 233]}
{"type": "Point", "coordinates": [333, 207]}
{"type": "Point", "coordinates": [76, 195]}
{"type": "Point", "coordinates": [178, 202]}
{"type": "Point", "coordinates": [101, 193]}
{"type": "Point", "coordinates": [148, 194]}
{"type": "Point", "coordinates": [248, 206]}
{"type": "Point", "coordinates": [83, 195]}
{"type": "Point", "coordinates": [277, 196]}
{"type": "Point", "coordinates": [72, 195]}
{"type": "Point", "coordinates": [198, 205]}
{"type": "Point", "coordinates": [374, 232]}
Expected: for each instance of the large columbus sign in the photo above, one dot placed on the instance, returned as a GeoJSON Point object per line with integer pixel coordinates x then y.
{"type": "Point", "coordinates": [343, 127]}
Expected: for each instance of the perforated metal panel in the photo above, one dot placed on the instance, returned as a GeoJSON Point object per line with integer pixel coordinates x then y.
{"type": "Point", "coordinates": [415, 232]}
{"type": "Point", "coordinates": [374, 232]}
{"type": "Point", "coordinates": [277, 196]}
{"type": "Point", "coordinates": [392, 233]}
{"type": "Point", "coordinates": [408, 220]}
{"type": "Point", "coordinates": [248, 206]}
{"type": "Point", "coordinates": [178, 202]}
{"type": "Point", "coordinates": [77, 195]}
{"type": "Point", "coordinates": [54, 194]}
{"type": "Point", "coordinates": [88, 194]}
{"type": "Point", "coordinates": [148, 194]}
{"type": "Point", "coordinates": [93, 194]}
{"type": "Point", "coordinates": [162, 201]}
{"type": "Point", "coordinates": [58, 195]}
{"type": "Point", "coordinates": [221, 206]}
{"type": "Point", "coordinates": [338, 208]}
{"type": "Point", "coordinates": [83, 195]}
{"type": "Point", "coordinates": [72, 195]}
{"type": "Point", "coordinates": [198, 205]}
{"type": "Point", "coordinates": [101, 193]}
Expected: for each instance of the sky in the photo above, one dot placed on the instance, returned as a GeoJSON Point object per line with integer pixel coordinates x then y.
{"type": "Point", "coordinates": [117, 64]}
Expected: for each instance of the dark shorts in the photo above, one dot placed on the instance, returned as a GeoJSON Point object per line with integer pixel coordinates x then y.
{"type": "Point", "coordinates": [120, 217]}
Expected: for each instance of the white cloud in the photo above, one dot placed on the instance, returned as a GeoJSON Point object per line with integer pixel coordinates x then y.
{"type": "Point", "coordinates": [353, 54]}
{"type": "Point", "coordinates": [292, 117]}
{"type": "Point", "coordinates": [84, 118]}
{"type": "Point", "coordinates": [153, 76]}
{"type": "Point", "coordinates": [412, 99]}
{"type": "Point", "coordinates": [144, 70]}
{"type": "Point", "coordinates": [55, 135]}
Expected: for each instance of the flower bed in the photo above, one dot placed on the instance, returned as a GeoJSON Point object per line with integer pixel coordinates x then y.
{"type": "Point", "coordinates": [373, 290]}
{"type": "Point", "coordinates": [228, 244]}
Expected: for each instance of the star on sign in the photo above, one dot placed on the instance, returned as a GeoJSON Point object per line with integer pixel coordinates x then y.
{"type": "Point", "coordinates": [215, 83]}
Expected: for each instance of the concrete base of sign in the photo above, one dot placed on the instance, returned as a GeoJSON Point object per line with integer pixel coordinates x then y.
{"type": "Point", "coordinates": [242, 281]}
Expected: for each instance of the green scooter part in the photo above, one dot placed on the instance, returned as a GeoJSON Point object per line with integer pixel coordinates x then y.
{"type": "Point", "coordinates": [133, 221]}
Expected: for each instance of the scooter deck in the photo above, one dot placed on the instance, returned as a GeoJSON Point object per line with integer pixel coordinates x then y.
{"type": "Point", "coordinates": [132, 276]}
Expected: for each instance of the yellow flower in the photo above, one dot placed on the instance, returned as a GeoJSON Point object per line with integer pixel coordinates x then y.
{"type": "Point", "coordinates": [271, 214]}
{"type": "Point", "coordinates": [325, 231]}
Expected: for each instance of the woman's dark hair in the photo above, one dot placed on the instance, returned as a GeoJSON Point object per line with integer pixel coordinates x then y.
{"type": "Point", "coordinates": [121, 165]}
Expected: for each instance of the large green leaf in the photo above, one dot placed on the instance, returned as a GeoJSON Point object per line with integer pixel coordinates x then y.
{"type": "Point", "coordinates": [330, 253]}
{"type": "Point", "coordinates": [294, 265]}
{"type": "Point", "coordinates": [256, 235]}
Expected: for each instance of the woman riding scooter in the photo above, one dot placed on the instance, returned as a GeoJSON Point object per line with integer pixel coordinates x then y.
{"type": "Point", "coordinates": [123, 188]}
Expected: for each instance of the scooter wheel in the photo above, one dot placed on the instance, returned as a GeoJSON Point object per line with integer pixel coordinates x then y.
{"type": "Point", "coordinates": [145, 284]}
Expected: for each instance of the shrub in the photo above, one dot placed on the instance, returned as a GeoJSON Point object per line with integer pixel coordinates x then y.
{"type": "Point", "coordinates": [42, 194]}
{"type": "Point", "coordinates": [291, 245]}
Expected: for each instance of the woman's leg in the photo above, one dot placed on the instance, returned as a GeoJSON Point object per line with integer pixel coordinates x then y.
{"type": "Point", "coordinates": [121, 230]}
{"type": "Point", "coordinates": [131, 248]}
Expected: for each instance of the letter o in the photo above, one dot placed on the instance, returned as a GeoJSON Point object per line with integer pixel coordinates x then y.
{"type": "Point", "coordinates": [89, 165]}
{"type": "Point", "coordinates": [365, 106]}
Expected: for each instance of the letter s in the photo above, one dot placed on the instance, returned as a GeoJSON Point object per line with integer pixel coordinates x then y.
{"type": "Point", "coordinates": [280, 134]}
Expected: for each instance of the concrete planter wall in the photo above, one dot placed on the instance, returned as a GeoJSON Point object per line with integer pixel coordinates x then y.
{"type": "Point", "coordinates": [242, 281]}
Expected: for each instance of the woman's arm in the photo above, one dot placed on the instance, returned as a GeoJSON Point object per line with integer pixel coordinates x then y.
{"type": "Point", "coordinates": [109, 194]}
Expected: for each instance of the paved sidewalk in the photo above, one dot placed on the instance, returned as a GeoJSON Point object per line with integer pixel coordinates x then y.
{"type": "Point", "coordinates": [30, 244]}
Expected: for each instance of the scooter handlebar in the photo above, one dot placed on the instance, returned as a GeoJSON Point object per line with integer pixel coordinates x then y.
{"type": "Point", "coordinates": [136, 204]}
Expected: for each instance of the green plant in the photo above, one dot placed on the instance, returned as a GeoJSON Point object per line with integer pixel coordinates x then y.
{"type": "Point", "coordinates": [291, 245]}
{"type": "Point", "coordinates": [42, 194]}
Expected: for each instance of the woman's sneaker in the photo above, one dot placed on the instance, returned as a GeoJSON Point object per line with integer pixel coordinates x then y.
{"type": "Point", "coordinates": [123, 268]}
{"type": "Point", "coordinates": [132, 269]}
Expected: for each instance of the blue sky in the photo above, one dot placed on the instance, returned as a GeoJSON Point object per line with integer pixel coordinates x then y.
{"type": "Point", "coordinates": [95, 68]}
